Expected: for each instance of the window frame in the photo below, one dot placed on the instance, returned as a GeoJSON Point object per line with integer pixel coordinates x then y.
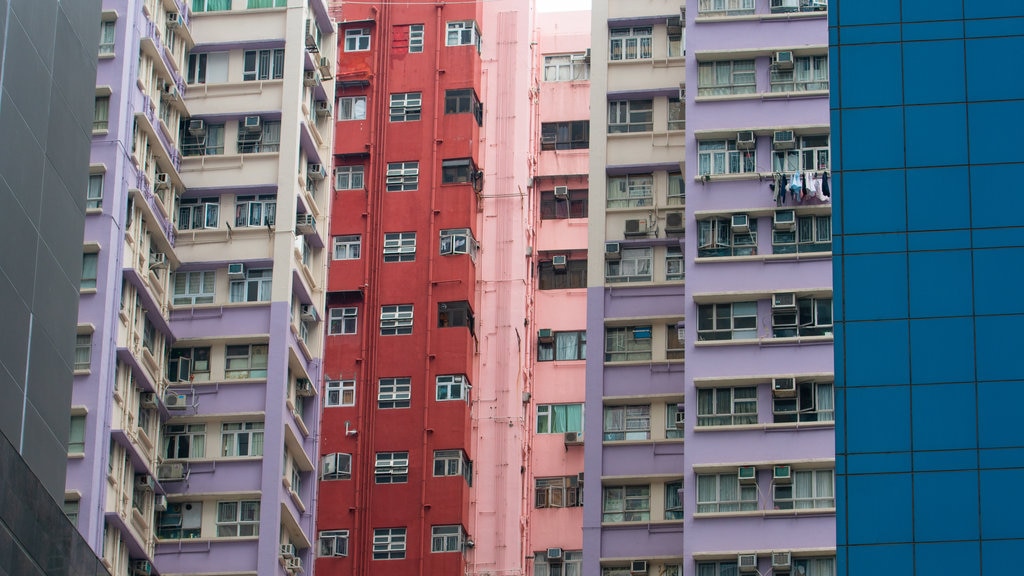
{"type": "Point", "coordinates": [550, 351]}
{"type": "Point", "coordinates": [566, 135]}
{"type": "Point", "coordinates": [90, 271]}
{"type": "Point", "coordinates": [329, 543]}
{"type": "Point", "coordinates": [716, 238]}
{"type": "Point", "coordinates": [416, 38]}
{"type": "Point", "coordinates": [557, 492]}
{"type": "Point", "coordinates": [403, 176]}
{"type": "Point", "coordinates": [449, 383]}
{"type": "Point", "coordinates": [83, 352]}
{"type": "Point", "coordinates": [396, 319]}
{"type": "Point", "coordinates": [633, 423]}
{"type": "Point", "coordinates": [198, 213]}
{"type": "Point", "coordinates": [719, 157]}
{"type": "Point", "coordinates": [460, 28]}
{"type": "Point", "coordinates": [639, 260]}
{"type": "Point", "coordinates": [816, 500]}
{"type": "Point", "coordinates": [576, 206]}
{"type": "Point", "coordinates": [548, 414]}
{"type": "Point", "coordinates": [399, 247]}
{"type": "Point", "coordinates": [351, 177]}
{"type": "Point", "coordinates": [572, 278]}
{"type": "Point", "coordinates": [631, 116]}
{"type": "Point", "coordinates": [254, 368]}
{"type": "Point", "coordinates": [814, 402]}
{"type": "Point", "coordinates": [464, 101]}
{"type": "Point", "coordinates": [343, 321]}
{"type": "Point", "coordinates": [191, 295]}
{"type": "Point", "coordinates": [255, 287]}
{"type": "Point", "coordinates": [94, 192]}
{"type": "Point", "coordinates": [727, 77]}
{"type": "Point", "coordinates": [350, 109]}
{"type": "Point", "coordinates": [339, 393]}
{"type": "Point", "coordinates": [405, 107]}
{"type": "Point", "coordinates": [635, 503]}
{"type": "Point", "coordinates": [809, 73]}
{"type": "Point", "coordinates": [630, 191]}
{"type": "Point", "coordinates": [575, 66]}
{"type": "Point", "coordinates": [240, 521]}
{"type": "Point", "coordinates": [194, 447]}
{"type": "Point", "coordinates": [458, 171]}
{"type": "Point", "coordinates": [357, 40]}
{"type": "Point", "coordinates": [347, 247]}
{"type": "Point", "coordinates": [391, 468]}
{"type": "Point", "coordinates": [253, 434]}
{"type": "Point", "coordinates": [394, 392]}
{"type": "Point", "coordinates": [726, 405]}
{"type": "Point", "coordinates": [76, 435]}
{"type": "Point", "coordinates": [446, 538]}
{"type": "Point", "coordinates": [630, 348]}
{"type": "Point", "coordinates": [265, 64]}
{"type": "Point", "coordinates": [812, 233]}
{"type": "Point", "coordinates": [746, 495]}
{"type": "Point", "coordinates": [108, 37]}
{"type": "Point", "coordinates": [631, 43]}
{"type": "Point", "coordinates": [389, 543]}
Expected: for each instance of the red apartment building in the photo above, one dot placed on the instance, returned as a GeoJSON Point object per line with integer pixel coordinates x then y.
{"type": "Point", "coordinates": [398, 364]}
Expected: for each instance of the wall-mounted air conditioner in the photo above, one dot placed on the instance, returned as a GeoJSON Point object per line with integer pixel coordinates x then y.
{"type": "Point", "coordinates": [308, 313]}
{"type": "Point", "coordinates": [562, 192]}
{"type": "Point", "coordinates": [638, 567]}
{"type": "Point", "coordinates": [162, 181]}
{"type": "Point", "coordinates": [782, 474]}
{"type": "Point", "coordinates": [171, 472]}
{"type": "Point", "coordinates": [783, 140]}
{"type": "Point", "coordinates": [782, 560]}
{"type": "Point", "coordinates": [236, 271]}
{"type": "Point", "coordinates": [305, 224]}
{"type": "Point", "coordinates": [747, 474]}
{"type": "Point", "coordinates": [252, 124]}
{"type": "Point", "coordinates": [148, 400]}
{"type": "Point", "coordinates": [783, 60]}
{"type": "Point", "coordinates": [746, 140]}
{"type": "Point", "coordinates": [740, 223]}
{"type": "Point", "coordinates": [555, 554]}
{"type": "Point", "coordinates": [573, 439]}
{"type": "Point", "coordinates": [784, 220]}
{"type": "Point", "coordinates": [175, 401]}
{"type": "Point", "coordinates": [316, 171]}
{"type": "Point", "coordinates": [784, 387]}
{"type": "Point", "coordinates": [674, 222]}
{"type": "Point", "coordinates": [636, 227]}
{"type": "Point", "coordinates": [612, 250]}
{"type": "Point", "coordinates": [559, 262]}
{"type": "Point", "coordinates": [197, 128]}
{"type": "Point", "coordinates": [747, 562]}
{"type": "Point", "coordinates": [784, 300]}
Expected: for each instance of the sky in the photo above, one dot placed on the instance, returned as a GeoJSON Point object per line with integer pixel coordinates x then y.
{"type": "Point", "coordinates": [562, 5]}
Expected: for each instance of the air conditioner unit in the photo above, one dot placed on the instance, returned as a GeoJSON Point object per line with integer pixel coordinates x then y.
{"type": "Point", "coordinates": [784, 220]}
{"type": "Point", "coordinates": [148, 400]}
{"type": "Point", "coordinates": [638, 567]}
{"type": "Point", "coordinates": [674, 222]}
{"type": "Point", "coordinates": [784, 387]}
{"type": "Point", "coordinates": [326, 67]}
{"type": "Point", "coordinates": [303, 387]}
{"type": "Point", "coordinates": [252, 124]}
{"type": "Point", "coordinates": [555, 554]}
{"type": "Point", "coordinates": [579, 477]}
{"type": "Point", "coordinates": [157, 259]}
{"type": "Point", "coordinates": [612, 250]}
{"type": "Point", "coordinates": [573, 439]}
{"type": "Point", "coordinates": [746, 140]}
{"type": "Point", "coordinates": [316, 171]}
{"type": "Point", "coordinates": [637, 227]}
{"type": "Point", "coordinates": [312, 78]}
{"type": "Point", "coordinates": [562, 192]}
{"type": "Point", "coordinates": [287, 550]}
{"type": "Point", "coordinates": [783, 300]}
{"type": "Point", "coordinates": [747, 562]}
{"type": "Point", "coordinates": [559, 262]}
{"type": "Point", "coordinates": [548, 139]}
{"type": "Point", "coordinates": [144, 482]}
{"type": "Point", "coordinates": [680, 419]}
{"type": "Point", "coordinates": [311, 33]}
{"type": "Point", "coordinates": [293, 565]}
{"type": "Point", "coordinates": [740, 223]}
{"type": "Point", "coordinates": [141, 568]}
{"type": "Point", "coordinates": [170, 92]}
{"type": "Point", "coordinates": [783, 140]}
{"type": "Point", "coordinates": [171, 472]}
{"type": "Point", "coordinates": [305, 223]}
{"type": "Point", "coordinates": [747, 474]}
{"type": "Point", "coordinates": [782, 474]}
{"type": "Point", "coordinates": [782, 560]}
{"type": "Point", "coordinates": [674, 26]}
{"type": "Point", "coordinates": [175, 401]}
{"type": "Point", "coordinates": [162, 180]}
{"type": "Point", "coordinates": [160, 503]}
{"type": "Point", "coordinates": [785, 6]}
{"type": "Point", "coordinates": [784, 60]}
{"type": "Point", "coordinates": [545, 336]}
{"type": "Point", "coordinates": [324, 109]}
{"type": "Point", "coordinates": [197, 128]}
{"type": "Point", "coordinates": [308, 312]}
{"type": "Point", "coordinates": [174, 19]}
{"type": "Point", "coordinates": [236, 271]}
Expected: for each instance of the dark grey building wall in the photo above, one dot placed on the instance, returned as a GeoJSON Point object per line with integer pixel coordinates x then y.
{"type": "Point", "coordinates": [48, 54]}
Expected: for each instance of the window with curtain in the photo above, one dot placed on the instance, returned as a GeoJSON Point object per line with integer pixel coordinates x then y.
{"type": "Point", "coordinates": [671, 429]}
{"type": "Point", "coordinates": [673, 501]}
{"type": "Point", "coordinates": [723, 493]}
{"type": "Point", "coordinates": [559, 418]}
{"type": "Point", "coordinates": [809, 489]}
{"type": "Point", "coordinates": [627, 423]}
{"type": "Point", "coordinates": [814, 567]}
{"type": "Point", "coordinates": [727, 406]}
{"type": "Point", "coordinates": [210, 5]}
{"type": "Point", "coordinates": [626, 504]}
{"type": "Point", "coordinates": [101, 114]}
{"type": "Point", "coordinates": [735, 321]}
{"type": "Point", "coordinates": [726, 78]}
{"type": "Point", "coordinates": [717, 569]}
{"type": "Point", "coordinates": [627, 343]}
{"type": "Point", "coordinates": [808, 73]}
{"type": "Point", "coordinates": [723, 157]}
{"type": "Point", "coordinates": [633, 265]}
{"type": "Point", "coordinates": [267, 3]}
{"type": "Point", "coordinates": [89, 264]}
{"type": "Point", "coordinates": [814, 402]}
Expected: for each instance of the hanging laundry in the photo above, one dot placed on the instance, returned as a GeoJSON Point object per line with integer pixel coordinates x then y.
{"type": "Point", "coordinates": [803, 186]}
{"type": "Point", "coordinates": [784, 181]}
{"type": "Point", "coordinates": [824, 185]}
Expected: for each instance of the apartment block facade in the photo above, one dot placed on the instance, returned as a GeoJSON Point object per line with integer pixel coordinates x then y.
{"type": "Point", "coordinates": [195, 406]}
{"type": "Point", "coordinates": [926, 370]}
{"type": "Point", "coordinates": [631, 422]}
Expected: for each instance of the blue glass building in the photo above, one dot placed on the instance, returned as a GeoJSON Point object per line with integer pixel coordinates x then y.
{"type": "Point", "coordinates": [927, 123]}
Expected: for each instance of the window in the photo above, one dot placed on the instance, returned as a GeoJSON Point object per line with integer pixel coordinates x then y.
{"type": "Point", "coordinates": [394, 393]}
{"type": "Point", "coordinates": [725, 8]}
{"type": "Point", "coordinates": [557, 492]}
{"type": "Point", "coordinates": [455, 314]}
{"type": "Point", "coordinates": [625, 343]}
{"type": "Point", "coordinates": [718, 237]}
{"type": "Point", "coordinates": [108, 30]}
{"type": "Point", "coordinates": [630, 43]}
{"type": "Point", "coordinates": [351, 108]}
{"type": "Point", "coordinates": [244, 361]}
{"type": "Point", "coordinates": [633, 265]}
{"type": "Point", "coordinates": [812, 154]}
{"type": "Point", "coordinates": [389, 543]}
{"type": "Point", "coordinates": [333, 543]}
{"type": "Point", "coordinates": [340, 393]}
{"type": "Point", "coordinates": [446, 538]}
{"type": "Point", "coordinates": [727, 406]}
{"type": "Point", "coordinates": [343, 320]}
{"type": "Point", "coordinates": [812, 567]}
{"type": "Point", "coordinates": [90, 261]}
{"type": "Point", "coordinates": [723, 493]}
{"type": "Point", "coordinates": [673, 501]}
{"type": "Point", "coordinates": [726, 77]}
{"type": "Point", "coordinates": [207, 68]}
{"type": "Point", "coordinates": [207, 142]}
{"type": "Point", "coordinates": [809, 489]}
{"type": "Point", "coordinates": [71, 510]}
{"type": "Point", "coordinates": [811, 317]}
{"type": "Point", "coordinates": [242, 439]}
{"type": "Point", "coordinates": [631, 191]}
{"type": "Point", "coordinates": [267, 3]}
{"type": "Point", "coordinates": [181, 520]}
{"type": "Point", "coordinates": [400, 247]}
{"type": "Point", "coordinates": [674, 264]}
{"type": "Point", "coordinates": [349, 178]}
{"type": "Point", "coordinates": [452, 387]}
{"type": "Point", "coordinates": [676, 189]}
{"type": "Point", "coordinates": [210, 5]}
{"type": "Point", "coordinates": [717, 569]}
{"type": "Point", "coordinates": [76, 436]}
{"type": "Point", "coordinates": [463, 34]}
{"type": "Point", "coordinates": [254, 288]}
{"type": "Point", "coordinates": [252, 211]}
{"type": "Point", "coordinates": [406, 107]}
{"type": "Point", "coordinates": [265, 139]}
{"type": "Point", "coordinates": [183, 441]}
{"type": "Point", "coordinates": [626, 504]}
{"type": "Point", "coordinates": [347, 247]}
{"type": "Point", "coordinates": [83, 351]}
{"type": "Point", "coordinates": [570, 564]}
{"type": "Point", "coordinates": [676, 38]}
{"type": "Point", "coordinates": [458, 241]}
{"type": "Point", "coordinates": [459, 171]}
{"type": "Point", "coordinates": [198, 213]}
{"type": "Point", "coordinates": [453, 463]}
{"type": "Point", "coordinates": [807, 73]}
{"type": "Point", "coordinates": [672, 430]}
{"type": "Point", "coordinates": [391, 468]}
{"type": "Point", "coordinates": [188, 364]}
{"type": "Point", "coordinates": [101, 114]}
{"type": "Point", "coordinates": [630, 116]}
{"type": "Point", "coordinates": [357, 40]}
{"type": "Point", "coordinates": [722, 157]}
{"type": "Point", "coordinates": [396, 319]}
{"type": "Point", "coordinates": [559, 418]}
{"type": "Point", "coordinates": [238, 518]}
{"type": "Point", "coordinates": [94, 195]}
{"type": "Point", "coordinates": [263, 64]}
{"type": "Point", "coordinates": [464, 102]}
{"type": "Point", "coordinates": [415, 38]}
{"type": "Point", "coordinates": [676, 114]}
{"type": "Point", "coordinates": [403, 176]}
{"type": "Point", "coordinates": [627, 423]}
{"type": "Point", "coordinates": [571, 345]}
{"type": "Point", "coordinates": [192, 288]}
{"type": "Point", "coordinates": [574, 275]}
{"type": "Point", "coordinates": [735, 321]}
{"type": "Point", "coordinates": [566, 67]}
{"type": "Point", "coordinates": [576, 205]}
{"type": "Point", "coordinates": [814, 402]}
{"type": "Point", "coordinates": [565, 135]}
